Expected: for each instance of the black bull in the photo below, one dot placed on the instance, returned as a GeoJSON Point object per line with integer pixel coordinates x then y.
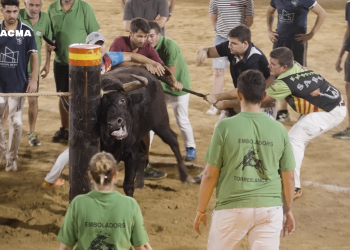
{"type": "Point", "coordinates": [127, 118]}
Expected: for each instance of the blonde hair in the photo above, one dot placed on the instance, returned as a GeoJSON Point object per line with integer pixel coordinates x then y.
{"type": "Point", "coordinates": [103, 167]}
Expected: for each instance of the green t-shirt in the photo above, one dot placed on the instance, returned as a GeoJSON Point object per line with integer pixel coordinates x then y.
{"type": "Point", "coordinates": [40, 28]}
{"type": "Point", "coordinates": [103, 221]}
{"type": "Point", "coordinates": [250, 149]}
{"type": "Point", "coordinates": [71, 27]}
{"type": "Point", "coordinates": [170, 53]}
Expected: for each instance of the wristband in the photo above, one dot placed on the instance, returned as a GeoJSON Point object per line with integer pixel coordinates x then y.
{"type": "Point", "coordinates": [170, 14]}
{"type": "Point", "coordinates": [200, 213]}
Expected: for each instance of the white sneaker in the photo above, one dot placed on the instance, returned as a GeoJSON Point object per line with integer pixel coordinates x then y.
{"type": "Point", "coordinates": [213, 111]}
{"type": "Point", "coordinates": [11, 165]}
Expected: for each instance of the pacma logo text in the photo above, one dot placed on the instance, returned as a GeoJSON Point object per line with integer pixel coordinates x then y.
{"type": "Point", "coordinates": [15, 33]}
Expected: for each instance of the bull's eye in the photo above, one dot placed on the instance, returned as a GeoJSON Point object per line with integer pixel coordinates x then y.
{"type": "Point", "coordinates": [122, 100]}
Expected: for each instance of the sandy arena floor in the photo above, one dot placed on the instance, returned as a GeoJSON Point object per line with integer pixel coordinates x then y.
{"type": "Point", "coordinates": [30, 217]}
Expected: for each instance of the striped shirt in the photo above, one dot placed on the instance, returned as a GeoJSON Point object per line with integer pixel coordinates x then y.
{"type": "Point", "coordinates": [230, 13]}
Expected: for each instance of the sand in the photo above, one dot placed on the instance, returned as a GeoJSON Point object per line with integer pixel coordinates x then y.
{"type": "Point", "coordinates": [30, 217]}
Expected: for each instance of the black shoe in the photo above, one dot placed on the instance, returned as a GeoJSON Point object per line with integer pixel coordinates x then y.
{"type": "Point", "coordinates": [61, 135]}
{"type": "Point", "coordinates": [152, 174]}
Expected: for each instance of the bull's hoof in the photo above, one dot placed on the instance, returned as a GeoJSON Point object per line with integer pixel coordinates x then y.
{"type": "Point", "coordinates": [139, 184]}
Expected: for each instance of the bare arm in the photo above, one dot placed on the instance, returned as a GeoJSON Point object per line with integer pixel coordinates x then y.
{"type": "Point", "coordinates": [288, 195]}
{"type": "Point", "coordinates": [249, 20]}
{"type": "Point", "coordinates": [146, 246]}
{"type": "Point", "coordinates": [321, 15]}
{"type": "Point", "coordinates": [209, 180]}
{"type": "Point", "coordinates": [46, 67]}
{"type": "Point", "coordinates": [34, 64]}
{"type": "Point", "coordinates": [342, 50]}
{"type": "Point", "coordinates": [161, 20]}
{"type": "Point", "coordinates": [122, 2]}
{"type": "Point", "coordinates": [213, 19]}
{"type": "Point", "coordinates": [171, 5]}
{"type": "Point", "coordinates": [64, 247]}
{"type": "Point", "coordinates": [126, 24]}
{"type": "Point", "coordinates": [269, 21]}
{"type": "Point", "coordinates": [204, 53]}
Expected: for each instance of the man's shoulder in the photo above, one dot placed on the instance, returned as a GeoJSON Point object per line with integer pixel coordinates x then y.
{"type": "Point", "coordinates": [24, 26]}
{"type": "Point", "coordinates": [53, 5]}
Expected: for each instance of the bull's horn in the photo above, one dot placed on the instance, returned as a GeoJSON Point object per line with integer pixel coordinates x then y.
{"type": "Point", "coordinates": [130, 86]}
{"type": "Point", "coordinates": [141, 79]}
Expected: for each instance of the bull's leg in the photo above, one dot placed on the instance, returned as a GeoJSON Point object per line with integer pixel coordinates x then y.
{"type": "Point", "coordinates": [143, 160]}
{"type": "Point", "coordinates": [169, 137]}
{"type": "Point", "coordinates": [130, 173]}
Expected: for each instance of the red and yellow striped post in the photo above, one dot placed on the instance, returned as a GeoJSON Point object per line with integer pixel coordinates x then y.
{"type": "Point", "coordinates": [84, 107]}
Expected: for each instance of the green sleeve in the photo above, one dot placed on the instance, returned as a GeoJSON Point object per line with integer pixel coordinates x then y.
{"type": "Point", "coordinates": [278, 90]}
{"type": "Point", "coordinates": [48, 30]}
{"type": "Point", "coordinates": [139, 234]}
{"type": "Point", "coordinates": [172, 54]}
{"type": "Point", "coordinates": [68, 232]}
{"type": "Point", "coordinates": [287, 161]}
{"type": "Point", "coordinates": [91, 23]}
{"type": "Point", "coordinates": [215, 150]}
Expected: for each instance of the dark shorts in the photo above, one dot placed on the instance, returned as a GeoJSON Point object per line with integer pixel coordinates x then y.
{"type": "Point", "coordinates": [299, 50]}
{"type": "Point", "coordinates": [347, 68]}
{"type": "Point", "coordinates": [61, 74]}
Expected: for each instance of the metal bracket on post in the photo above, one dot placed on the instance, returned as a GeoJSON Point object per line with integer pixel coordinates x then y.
{"type": "Point", "coordinates": [84, 108]}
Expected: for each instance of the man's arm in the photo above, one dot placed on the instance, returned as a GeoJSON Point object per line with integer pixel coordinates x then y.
{"type": "Point", "coordinates": [171, 6]}
{"type": "Point", "coordinates": [64, 247]}
{"type": "Point", "coordinates": [204, 53]}
{"type": "Point", "coordinates": [163, 13]}
{"type": "Point", "coordinates": [161, 20]}
{"type": "Point", "coordinates": [269, 21]}
{"type": "Point", "coordinates": [34, 64]}
{"type": "Point", "coordinates": [342, 50]}
{"type": "Point", "coordinates": [321, 15]}
{"type": "Point", "coordinates": [213, 19]}
{"type": "Point", "coordinates": [46, 67]}
{"type": "Point", "coordinates": [288, 195]}
{"type": "Point", "coordinates": [122, 3]}
{"type": "Point", "coordinates": [209, 180]}
{"type": "Point", "coordinates": [152, 66]}
{"type": "Point", "coordinates": [126, 24]}
{"type": "Point", "coordinates": [127, 16]}
{"type": "Point", "coordinates": [249, 20]}
{"type": "Point", "coordinates": [146, 246]}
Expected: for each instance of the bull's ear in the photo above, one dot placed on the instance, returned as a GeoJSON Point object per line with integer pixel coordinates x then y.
{"type": "Point", "coordinates": [139, 83]}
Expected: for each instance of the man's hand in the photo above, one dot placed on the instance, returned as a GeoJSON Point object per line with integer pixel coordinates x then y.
{"type": "Point", "coordinates": [272, 36]}
{"type": "Point", "coordinates": [45, 69]}
{"type": "Point", "coordinates": [202, 54]}
{"type": "Point", "coordinates": [199, 217]}
{"type": "Point", "coordinates": [32, 86]}
{"type": "Point", "coordinates": [155, 68]}
{"type": "Point", "coordinates": [211, 98]}
{"type": "Point", "coordinates": [288, 224]}
{"type": "Point", "coordinates": [303, 38]}
{"type": "Point", "coordinates": [177, 86]}
{"type": "Point", "coordinates": [337, 65]}
{"type": "Point", "coordinates": [220, 105]}
{"type": "Point", "coordinates": [51, 48]}
{"type": "Point", "coordinates": [157, 17]}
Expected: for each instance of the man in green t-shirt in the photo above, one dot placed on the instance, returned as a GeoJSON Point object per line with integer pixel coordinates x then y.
{"type": "Point", "coordinates": [39, 22]}
{"type": "Point", "coordinates": [246, 163]}
{"type": "Point", "coordinates": [71, 22]}
{"type": "Point", "coordinates": [171, 54]}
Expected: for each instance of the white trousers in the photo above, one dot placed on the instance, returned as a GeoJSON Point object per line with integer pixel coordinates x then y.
{"type": "Point", "coordinates": [308, 127]}
{"type": "Point", "coordinates": [57, 168]}
{"type": "Point", "coordinates": [15, 126]}
{"type": "Point", "coordinates": [262, 225]}
{"type": "Point", "coordinates": [180, 107]}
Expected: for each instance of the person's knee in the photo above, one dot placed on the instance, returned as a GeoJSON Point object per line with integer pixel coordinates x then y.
{"type": "Point", "coordinates": [32, 102]}
{"type": "Point", "coordinates": [219, 72]}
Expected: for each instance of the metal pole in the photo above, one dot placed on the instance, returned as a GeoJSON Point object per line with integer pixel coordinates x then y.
{"type": "Point", "coordinates": [84, 85]}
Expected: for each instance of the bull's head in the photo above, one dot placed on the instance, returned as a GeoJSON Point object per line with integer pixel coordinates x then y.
{"type": "Point", "coordinates": [116, 105]}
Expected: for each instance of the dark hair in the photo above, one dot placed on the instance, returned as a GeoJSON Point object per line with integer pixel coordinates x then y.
{"type": "Point", "coordinates": [154, 26]}
{"type": "Point", "coordinates": [251, 83]}
{"type": "Point", "coordinates": [284, 56]}
{"type": "Point", "coordinates": [241, 32]}
{"type": "Point", "coordinates": [102, 167]}
{"type": "Point", "coordinates": [139, 24]}
{"type": "Point", "coordinates": [9, 2]}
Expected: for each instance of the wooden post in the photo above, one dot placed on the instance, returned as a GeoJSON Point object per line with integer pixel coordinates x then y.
{"type": "Point", "coordinates": [84, 107]}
